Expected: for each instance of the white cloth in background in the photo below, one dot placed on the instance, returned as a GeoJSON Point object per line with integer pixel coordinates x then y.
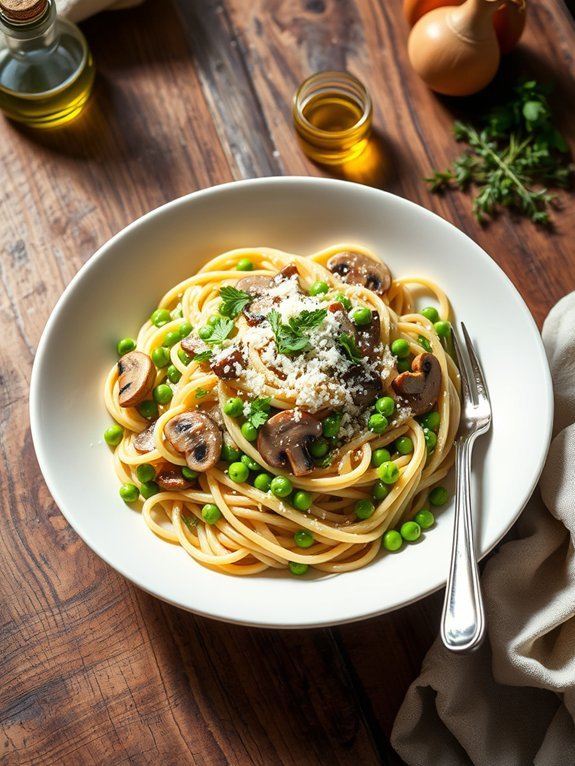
{"type": "Point", "coordinates": [512, 703]}
{"type": "Point", "coordinates": [77, 10]}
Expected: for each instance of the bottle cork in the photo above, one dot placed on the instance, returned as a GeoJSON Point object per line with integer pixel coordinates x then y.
{"type": "Point", "coordinates": [22, 10]}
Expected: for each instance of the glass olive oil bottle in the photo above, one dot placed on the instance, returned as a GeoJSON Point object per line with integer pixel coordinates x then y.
{"type": "Point", "coordinates": [46, 68]}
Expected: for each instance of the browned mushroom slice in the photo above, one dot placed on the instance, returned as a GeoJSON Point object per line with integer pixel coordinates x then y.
{"type": "Point", "coordinates": [359, 269]}
{"type": "Point", "coordinates": [136, 380]}
{"type": "Point", "coordinates": [420, 387]}
{"type": "Point", "coordinates": [169, 477]}
{"type": "Point", "coordinates": [364, 386]}
{"type": "Point", "coordinates": [193, 345]}
{"type": "Point", "coordinates": [197, 436]}
{"type": "Point", "coordinates": [287, 272]}
{"type": "Point", "coordinates": [145, 441]}
{"type": "Point", "coordinates": [285, 438]}
{"type": "Point", "coordinates": [368, 337]}
{"type": "Point", "coordinates": [258, 287]}
{"type": "Point", "coordinates": [229, 364]}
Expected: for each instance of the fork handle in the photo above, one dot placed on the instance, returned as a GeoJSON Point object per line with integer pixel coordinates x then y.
{"type": "Point", "coordinates": [463, 618]}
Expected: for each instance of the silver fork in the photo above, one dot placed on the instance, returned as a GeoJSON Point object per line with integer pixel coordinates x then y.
{"type": "Point", "coordinates": [463, 618]}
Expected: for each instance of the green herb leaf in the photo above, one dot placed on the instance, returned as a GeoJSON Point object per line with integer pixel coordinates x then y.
{"type": "Point", "coordinates": [200, 393]}
{"type": "Point", "coordinates": [307, 320]}
{"type": "Point", "coordinates": [220, 331]}
{"type": "Point", "coordinates": [350, 347]}
{"type": "Point", "coordinates": [203, 356]}
{"type": "Point", "coordinates": [288, 340]}
{"type": "Point", "coordinates": [190, 521]}
{"type": "Point", "coordinates": [233, 301]}
{"type": "Point", "coordinates": [259, 411]}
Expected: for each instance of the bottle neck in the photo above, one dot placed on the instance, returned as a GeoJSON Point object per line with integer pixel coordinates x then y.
{"type": "Point", "coordinates": [25, 36]}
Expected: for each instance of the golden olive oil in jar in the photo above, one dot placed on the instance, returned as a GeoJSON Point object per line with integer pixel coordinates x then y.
{"type": "Point", "coordinates": [332, 114]}
{"type": "Point", "coordinates": [46, 67]}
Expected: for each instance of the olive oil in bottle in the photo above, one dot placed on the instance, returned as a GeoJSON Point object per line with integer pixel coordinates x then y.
{"type": "Point", "coordinates": [46, 68]}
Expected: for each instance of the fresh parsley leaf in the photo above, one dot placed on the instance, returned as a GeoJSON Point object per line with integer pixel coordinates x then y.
{"type": "Point", "coordinates": [307, 320]}
{"type": "Point", "coordinates": [203, 356]}
{"type": "Point", "coordinates": [350, 347]}
{"type": "Point", "coordinates": [259, 411]}
{"type": "Point", "coordinates": [233, 301]}
{"type": "Point", "coordinates": [288, 339]}
{"type": "Point", "coordinates": [200, 393]}
{"type": "Point", "coordinates": [220, 331]}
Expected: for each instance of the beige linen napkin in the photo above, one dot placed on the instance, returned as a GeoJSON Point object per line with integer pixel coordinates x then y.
{"type": "Point", "coordinates": [512, 703]}
{"type": "Point", "coordinates": [77, 10]}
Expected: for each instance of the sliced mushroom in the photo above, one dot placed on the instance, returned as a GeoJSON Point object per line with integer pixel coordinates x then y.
{"type": "Point", "coordinates": [287, 272]}
{"type": "Point", "coordinates": [420, 387]}
{"type": "Point", "coordinates": [169, 477]}
{"type": "Point", "coordinates": [359, 269]}
{"type": "Point", "coordinates": [286, 437]}
{"type": "Point", "coordinates": [258, 287]}
{"type": "Point", "coordinates": [229, 364]}
{"type": "Point", "coordinates": [193, 345]}
{"type": "Point", "coordinates": [363, 385]}
{"type": "Point", "coordinates": [368, 337]}
{"type": "Point", "coordinates": [197, 436]}
{"type": "Point", "coordinates": [136, 380]}
{"type": "Point", "coordinates": [145, 441]}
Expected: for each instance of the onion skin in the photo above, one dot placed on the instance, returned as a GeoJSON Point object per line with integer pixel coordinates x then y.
{"type": "Point", "coordinates": [508, 21]}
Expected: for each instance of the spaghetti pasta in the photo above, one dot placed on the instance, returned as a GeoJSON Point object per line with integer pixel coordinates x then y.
{"type": "Point", "coordinates": [283, 424]}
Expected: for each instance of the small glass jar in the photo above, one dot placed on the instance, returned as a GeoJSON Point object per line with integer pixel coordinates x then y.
{"type": "Point", "coordinates": [332, 114]}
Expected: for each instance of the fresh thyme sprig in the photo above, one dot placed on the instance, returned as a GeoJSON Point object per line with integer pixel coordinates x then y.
{"type": "Point", "coordinates": [512, 158]}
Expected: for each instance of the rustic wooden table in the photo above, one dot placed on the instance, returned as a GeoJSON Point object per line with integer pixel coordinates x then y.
{"type": "Point", "coordinates": [190, 94]}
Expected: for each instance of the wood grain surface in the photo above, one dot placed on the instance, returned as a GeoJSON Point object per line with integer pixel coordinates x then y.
{"type": "Point", "coordinates": [190, 94]}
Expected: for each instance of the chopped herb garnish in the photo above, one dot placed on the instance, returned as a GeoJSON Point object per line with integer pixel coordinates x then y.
{"type": "Point", "coordinates": [200, 393]}
{"type": "Point", "coordinates": [350, 347]}
{"type": "Point", "coordinates": [204, 356]}
{"type": "Point", "coordinates": [259, 411]}
{"type": "Point", "coordinates": [190, 521]}
{"type": "Point", "coordinates": [234, 301]}
{"type": "Point", "coordinates": [325, 461]}
{"type": "Point", "coordinates": [290, 338]}
{"type": "Point", "coordinates": [220, 331]}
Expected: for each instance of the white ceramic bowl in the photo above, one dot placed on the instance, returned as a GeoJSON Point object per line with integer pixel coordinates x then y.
{"type": "Point", "coordinates": [120, 285]}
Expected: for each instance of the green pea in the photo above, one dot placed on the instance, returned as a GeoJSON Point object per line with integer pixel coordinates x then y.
{"type": "Point", "coordinates": [392, 540]}
{"type": "Point", "coordinates": [160, 356]}
{"type": "Point", "coordinates": [113, 435]}
{"type": "Point", "coordinates": [244, 264]}
{"type": "Point", "coordinates": [129, 492]}
{"type": "Point", "coordinates": [385, 405]}
{"type": "Point", "coordinates": [424, 343]}
{"type": "Point", "coordinates": [388, 472]}
{"type": "Point", "coordinates": [301, 500]}
{"type": "Point", "coordinates": [160, 317]}
{"type": "Point", "coordinates": [148, 409]}
{"type": "Point", "coordinates": [263, 481]}
{"type": "Point", "coordinates": [125, 345]}
{"type": "Point", "coordinates": [205, 332]}
{"type": "Point", "coordinates": [380, 456]}
{"type": "Point", "coordinates": [443, 329]}
{"type": "Point", "coordinates": [188, 474]}
{"type": "Point", "coordinates": [212, 320]}
{"type": "Point", "coordinates": [249, 431]}
{"type": "Point", "coordinates": [170, 339]}
{"type": "Point", "coordinates": [364, 509]}
{"type": "Point", "coordinates": [184, 329]}
{"type": "Point", "coordinates": [430, 439]}
{"type": "Point", "coordinates": [297, 569]}
{"type": "Point", "coordinates": [211, 513]}
{"type": "Point", "coordinates": [183, 357]}
{"type": "Point", "coordinates": [361, 316]}
{"type": "Point", "coordinates": [331, 425]}
{"type": "Point", "coordinates": [234, 407]}
{"type": "Point", "coordinates": [431, 313]}
{"type": "Point", "coordinates": [344, 300]}
{"type": "Point", "coordinates": [400, 348]}
{"type": "Point", "coordinates": [380, 491]}
{"type": "Point", "coordinates": [303, 538]}
{"type": "Point", "coordinates": [403, 365]}
{"type": "Point", "coordinates": [410, 531]}
{"type": "Point", "coordinates": [319, 288]}
{"type": "Point", "coordinates": [377, 423]}
{"type": "Point", "coordinates": [230, 454]}
{"type": "Point", "coordinates": [163, 393]}
{"type": "Point", "coordinates": [319, 448]}
{"type": "Point", "coordinates": [281, 486]}
{"type": "Point", "coordinates": [173, 374]}
{"type": "Point", "coordinates": [238, 472]}
{"type": "Point", "coordinates": [145, 472]}
{"type": "Point", "coordinates": [424, 518]}
{"type": "Point", "coordinates": [404, 445]}
{"type": "Point", "coordinates": [250, 462]}
{"type": "Point", "coordinates": [431, 420]}
{"type": "Point", "coordinates": [438, 496]}
{"type": "Point", "coordinates": [148, 489]}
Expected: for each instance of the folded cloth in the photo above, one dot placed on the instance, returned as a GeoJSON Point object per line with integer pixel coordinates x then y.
{"type": "Point", "coordinates": [77, 10]}
{"type": "Point", "coordinates": [512, 703]}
